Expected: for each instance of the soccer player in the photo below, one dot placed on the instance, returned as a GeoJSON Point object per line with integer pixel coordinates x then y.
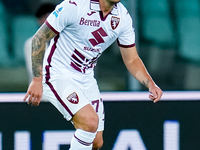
{"type": "Point", "coordinates": [80, 30]}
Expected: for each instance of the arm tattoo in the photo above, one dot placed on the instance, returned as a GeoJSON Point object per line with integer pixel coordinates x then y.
{"type": "Point", "coordinates": [38, 49]}
{"type": "Point", "coordinates": [39, 40]}
{"type": "Point", "coordinates": [146, 83]}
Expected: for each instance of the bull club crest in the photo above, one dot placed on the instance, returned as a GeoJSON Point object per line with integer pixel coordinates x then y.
{"type": "Point", "coordinates": [73, 98]}
{"type": "Point", "coordinates": [114, 22]}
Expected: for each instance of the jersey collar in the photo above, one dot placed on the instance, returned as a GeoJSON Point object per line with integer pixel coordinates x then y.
{"type": "Point", "coordinates": [94, 5]}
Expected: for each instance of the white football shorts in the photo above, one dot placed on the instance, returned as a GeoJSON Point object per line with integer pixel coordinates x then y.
{"type": "Point", "coordinates": [69, 95]}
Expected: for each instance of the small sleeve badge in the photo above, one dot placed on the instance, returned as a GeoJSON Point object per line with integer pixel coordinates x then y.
{"type": "Point", "coordinates": [114, 22]}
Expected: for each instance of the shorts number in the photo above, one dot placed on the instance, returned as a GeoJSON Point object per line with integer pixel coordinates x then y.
{"type": "Point", "coordinates": [97, 104]}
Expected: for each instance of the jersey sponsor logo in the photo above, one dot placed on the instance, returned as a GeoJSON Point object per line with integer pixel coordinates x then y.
{"type": "Point", "coordinates": [114, 22]}
{"type": "Point", "coordinates": [72, 3]}
{"type": "Point", "coordinates": [57, 12]}
{"type": "Point", "coordinates": [92, 49]}
{"type": "Point", "coordinates": [73, 98]}
{"type": "Point", "coordinates": [98, 36]}
{"type": "Point", "coordinates": [88, 22]}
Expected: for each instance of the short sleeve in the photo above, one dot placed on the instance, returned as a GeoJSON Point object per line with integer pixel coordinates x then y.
{"type": "Point", "coordinates": [64, 14]}
{"type": "Point", "coordinates": [127, 36]}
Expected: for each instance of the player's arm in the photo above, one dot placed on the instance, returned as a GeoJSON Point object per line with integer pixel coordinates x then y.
{"type": "Point", "coordinates": [43, 35]}
{"type": "Point", "coordinates": [136, 67]}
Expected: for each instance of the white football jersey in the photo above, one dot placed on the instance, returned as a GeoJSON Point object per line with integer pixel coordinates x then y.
{"type": "Point", "coordinates": [83, 34]}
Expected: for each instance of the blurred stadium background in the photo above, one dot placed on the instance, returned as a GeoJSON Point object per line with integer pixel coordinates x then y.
{"type": "Point", "coordinates": [168, 42]}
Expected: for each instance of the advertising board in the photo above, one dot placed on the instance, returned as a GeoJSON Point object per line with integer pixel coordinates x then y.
{"type": "Point", "coordinates": [132, 123]}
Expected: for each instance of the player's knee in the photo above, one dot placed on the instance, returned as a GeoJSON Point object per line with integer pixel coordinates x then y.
{"type": "Point", "coordinates": [91, 123]}
{"type": "Point", "coordinates": [97, 144]}
{"type": "Point", "coordinates": [86, 119]}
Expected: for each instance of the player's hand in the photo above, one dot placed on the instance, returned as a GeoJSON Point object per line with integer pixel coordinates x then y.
{"type": "Point", "coordinates": [34, 93]}
{"type": "Point", "coordinates": [155, 93]}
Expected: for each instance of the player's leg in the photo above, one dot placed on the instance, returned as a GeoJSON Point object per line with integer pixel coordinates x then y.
{"type": "Point", "coordinates": [93, 94]}
{"type": "Point", "coordinates": [98, 141]}
{"type": "Point", "coordinates": [81, 121]}
{"type": "Point", "coordinates": [72, 103]}
{"type": "Point", "coordinates": [86, 119]}
{"type": "Point", "coordinates": [86, 123]}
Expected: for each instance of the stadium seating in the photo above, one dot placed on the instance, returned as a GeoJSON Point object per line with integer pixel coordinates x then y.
{"type": "Point", "coordinates": [23, 27]}
{"type": "Point", "coordinates": [189, 31]}
{"type": "Point", "coordinates": [4, 53]}
{"type": "Point", "coordinates": [186, 8]}
{"type": "Point", "coordinates": [188, 25]}
{"type": "Point", "coordinates": [156, 23]}
{"type": "Point", "coordinates": [154, 7]}
{"type": "Point", "coordinates": [2, 9]}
